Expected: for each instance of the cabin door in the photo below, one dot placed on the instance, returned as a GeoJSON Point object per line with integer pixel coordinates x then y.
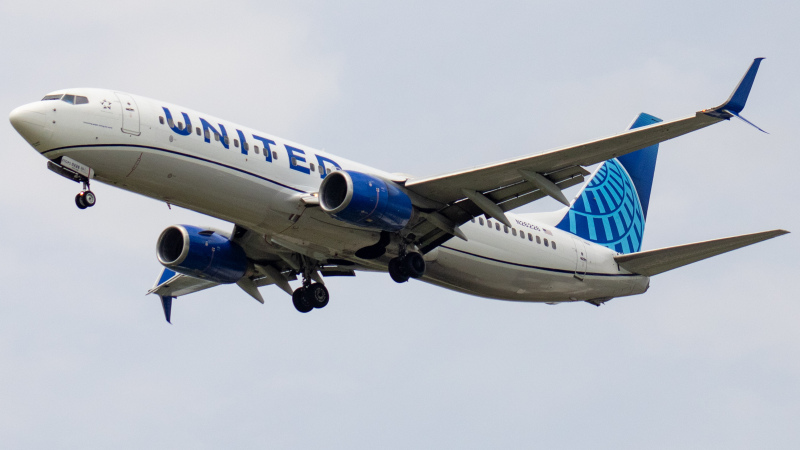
{"type": "Point", "coordinates": [130, 114]}
{"type": "Point", "coordinates": [581, 257]}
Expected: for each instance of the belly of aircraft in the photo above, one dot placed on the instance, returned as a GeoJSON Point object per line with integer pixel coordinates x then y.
{"type": "Point", "coordinates": [195, 185]}
{"type": "Point", "coordinates": [492, 279]}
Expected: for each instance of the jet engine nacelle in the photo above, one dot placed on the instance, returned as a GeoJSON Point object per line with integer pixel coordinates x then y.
{"type": "Point", "coordinates": [201, 253]}
{"type": "Point", "coordinates": [365, 200]}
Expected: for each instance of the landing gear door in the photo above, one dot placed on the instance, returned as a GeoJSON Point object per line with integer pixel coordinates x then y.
{"type": "Point", "coordinates": [581, 257]}
{"type": "Point", "coordinates": [130, 114]}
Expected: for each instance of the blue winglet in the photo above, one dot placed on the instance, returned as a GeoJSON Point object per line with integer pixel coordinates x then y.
{"type": "Point", "coordinates": [738, 98]}
{"type": "Point", "coordinates": [735, 103]}
{"type": "Point", "coordinates": [166, 303]}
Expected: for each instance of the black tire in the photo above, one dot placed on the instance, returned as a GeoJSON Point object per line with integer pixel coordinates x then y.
{"type": "Point", "coordinates": [413, 265]}
{"type": "Point", "coordinates": [89, 199]}
{"type": "Point", "coordinates": [79, 201]}
{"type": "Point", "coordinates": [317, 295]}
{"type": "Point", "coordinates": [300, 302]}
{"type": "Point", "coordinates": [396, 271]}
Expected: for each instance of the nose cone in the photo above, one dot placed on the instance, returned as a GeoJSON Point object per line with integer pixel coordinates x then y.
{"type": "Point", "coordinates": [31, 124]}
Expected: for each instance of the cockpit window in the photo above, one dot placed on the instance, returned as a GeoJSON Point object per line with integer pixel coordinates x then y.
{"type": "Point", "coordinates": [69, 98]}
{"type": "Point", "coordinates": [52, 97]}
{"type": "Point", "coordinates": [81, 100]}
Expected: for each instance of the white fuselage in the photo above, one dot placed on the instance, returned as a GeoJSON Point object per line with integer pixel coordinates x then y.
{"type": "Point", "coordinates": [121, 137]}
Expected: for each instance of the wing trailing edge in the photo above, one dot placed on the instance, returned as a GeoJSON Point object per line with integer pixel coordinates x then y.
{"type": "Point", "coordinates": [654, 262]}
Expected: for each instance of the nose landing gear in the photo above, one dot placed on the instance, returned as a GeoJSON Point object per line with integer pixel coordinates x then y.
{"type": "Point", "coordinates": [85, 198]}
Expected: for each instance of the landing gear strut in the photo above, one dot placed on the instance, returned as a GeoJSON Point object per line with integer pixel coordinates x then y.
{"type": "Point", "coordinates": [405, 266]}
{"type": "Point", "coordinates": [310, 295]}
{"type": "Point", "coordinates": [85, 198]}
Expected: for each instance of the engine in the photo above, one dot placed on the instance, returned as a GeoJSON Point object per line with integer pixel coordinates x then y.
{"type": "Point", "coordinates": [201, 253]}
{"type": "Point", "coordinates": [364, 200]}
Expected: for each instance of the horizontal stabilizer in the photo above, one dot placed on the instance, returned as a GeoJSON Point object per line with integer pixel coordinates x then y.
{"type": "Point", "coordinates": [653, 262]}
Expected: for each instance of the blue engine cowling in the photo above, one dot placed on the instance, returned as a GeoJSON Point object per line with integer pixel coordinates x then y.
{"type": "Point", "coordinates": [365, 200]}
{"type": "Point", "coordinates": [201, 253]}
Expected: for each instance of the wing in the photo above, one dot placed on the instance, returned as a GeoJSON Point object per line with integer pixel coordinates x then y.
{"type": "Point", "coordinates": [275, 263]}
{"type": "Point", "coordinates": [495, 188]}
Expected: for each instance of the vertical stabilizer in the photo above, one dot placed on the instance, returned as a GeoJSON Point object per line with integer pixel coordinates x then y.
{"type": "Point", "coordinates": [641, 164]}
{"type": "Point", "coordinates": [612, 207]}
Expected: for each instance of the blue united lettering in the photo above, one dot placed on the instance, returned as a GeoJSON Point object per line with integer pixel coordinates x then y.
{"type": "Point", "coordinates": [297, 158]}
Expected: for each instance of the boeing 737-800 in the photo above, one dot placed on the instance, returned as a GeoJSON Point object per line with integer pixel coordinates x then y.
{"type": "Point", "coordinates": [303, 213]}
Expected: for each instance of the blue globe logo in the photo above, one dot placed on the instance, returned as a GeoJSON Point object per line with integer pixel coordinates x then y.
{"type": "Point", "coordinates": [608, 211]}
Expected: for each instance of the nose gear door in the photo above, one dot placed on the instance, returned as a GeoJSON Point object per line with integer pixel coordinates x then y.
{"type": "Point", "coordinates": [130, 114]}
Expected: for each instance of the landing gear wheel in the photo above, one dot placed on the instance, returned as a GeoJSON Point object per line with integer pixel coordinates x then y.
{"type": "Point", "coordinates": [79, 201]}
{"type": "Point", "coordinates": [300, 302]}
{"type": "Point", "coordinates": [89, 198]}
{"type": "Point", "coordinates": [396, 271]}
{"type": "Point", "coordinates": [317, 295]}
{"type": "Point", "coordinates": [413, 265]}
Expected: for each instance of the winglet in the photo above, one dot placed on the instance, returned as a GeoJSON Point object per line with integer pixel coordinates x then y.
{"type": "Point", "coordinates": [738, 98]}
{"type": "Point", "coordinates": [735, 103]}
{"type": "Point", "coordinates": [166, 303]}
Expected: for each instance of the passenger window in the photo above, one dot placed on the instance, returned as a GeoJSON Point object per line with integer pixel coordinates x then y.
{"type": "Point", "coordinates": [197, 130]}
{"type": "Point", "coordinates": [538, 240]}
{"type": "Point", "coordinates": [161, 120]}
{"type": "Point", "coordinates": [554, 245]}
{"type": "Point", "coordinates": [227, 140]}
{"type": "Point", "coordinates": [311, 167]}
{"type": "Point", "coordinates": [505, 228]}
{"type": "Point", "coordinates": [545, 242]}
{"type": "Point", "coordinates": [274, 155]}
{"type": "Point", "coordinates": [480, 221]}
{"type": "Point", "coordinates": [246, 145]}
{"type": "Point", "coordinates": [216, 136]}
{"type": "Point", "coordinates": [497, 226]}
{"type": "Point", "coordinates": [294, 161]}
{"type": "Point", "coordinates": [321, 170]}
{"type": "Point", "coordinates": [472, 220]}
{"type": "Point", "coordinates": [180, 125]}
{"type": "Point", "coordinates": [171, 122]}
{"type": "Point", "coordinates": [81, 100]}
{"type": "Point", "coordinates": [530, 237]}
{"type": "Point", "coordinates": [236, 143]}
{"type": "Point", "coordinates": [329, 169]}
{"type": "Point", "coordinates": [514, 231]}
{"type": "Point", "coordinates": [488, 223]}
{"type": "Point", "coordinates": [69, 98]}
{"type": "Point", "coordinates": [522, 234]}
{"type": "Point", "coordinates": [255, 147]}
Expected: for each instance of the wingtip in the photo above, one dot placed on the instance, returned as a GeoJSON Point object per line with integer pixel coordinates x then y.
{"type": "Point", "coordinates": [735, 103]}
{"type": "Point", "coordinates": [166, 304]}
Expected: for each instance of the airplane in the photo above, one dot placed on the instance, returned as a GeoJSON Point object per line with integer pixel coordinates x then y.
{"type": "Point", "coordinates": [302, 213]}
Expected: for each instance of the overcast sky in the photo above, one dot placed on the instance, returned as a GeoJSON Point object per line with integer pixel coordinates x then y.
{"type": "Point", "coordinates": [708, 358]}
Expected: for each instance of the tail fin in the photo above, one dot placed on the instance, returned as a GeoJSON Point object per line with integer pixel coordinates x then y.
{"type": "Point", "coordinates": [612, 207]}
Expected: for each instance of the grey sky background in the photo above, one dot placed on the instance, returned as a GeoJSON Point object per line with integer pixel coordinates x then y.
{"type": "Point", "coordinates": [707, 359]}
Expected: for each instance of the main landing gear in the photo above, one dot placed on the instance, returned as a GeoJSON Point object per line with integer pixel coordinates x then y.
{"type": "Point", "coordinates": [310, 295]}
{"type": "Point", "coordinates": [405, 266]}
{"type": "Point", "coordinates": [85, 198]}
